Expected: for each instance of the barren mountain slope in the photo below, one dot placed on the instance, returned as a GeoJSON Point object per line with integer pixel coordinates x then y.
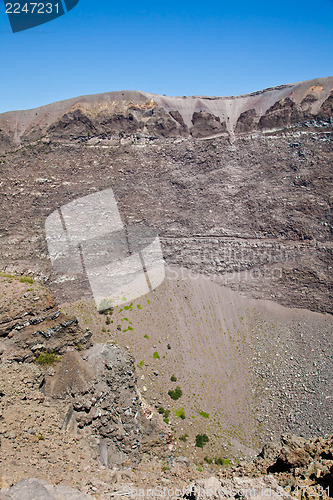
{"type": "Point", "coordinates": [236, 187]}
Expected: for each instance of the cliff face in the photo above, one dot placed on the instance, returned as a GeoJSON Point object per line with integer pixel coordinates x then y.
{"type": "Point", "coordinates": [236, 187]}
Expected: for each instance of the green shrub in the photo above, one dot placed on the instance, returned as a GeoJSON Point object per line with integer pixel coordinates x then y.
{"type": "Point", "coordinates": [180, 413]}
{"type": "Point", "coordinates": [173, 378]}
{"type": "Point", "coordinates": [201, 440]}
{"type": "Point", "coordinates": [47, 358]}
{"type": "Point", "coordinates": [156, 355]}
{"type": "Point", "coordinates": [165, 467]}
{"type": "Point", "coordinates": [140, 365]}
{"type": "Point", "coordinates": [175, 394]}
{"type": "Point", "coordinates": [203, 414]}
{"type": "Point", "coordinates": [222, 461]}
{"type": "Point", "coordinates": [165, 414]}
{"type": "Point", "coordinates": [130, 328]}
{"type": "Point", "coordinates": [26, 279]}
{"type": "Point", "coordinates": [108, 320]}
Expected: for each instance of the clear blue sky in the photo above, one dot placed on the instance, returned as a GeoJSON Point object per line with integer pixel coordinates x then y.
{"type": "Point", "coordinates": [174, 48]}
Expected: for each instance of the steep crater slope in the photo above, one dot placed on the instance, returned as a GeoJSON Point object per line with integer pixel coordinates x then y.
{"type": "Point", "coordinates": [237, 187]}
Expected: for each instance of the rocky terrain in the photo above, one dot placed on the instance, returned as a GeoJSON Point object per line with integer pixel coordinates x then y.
{"type": "Point", "coordinates": [238, 189]}
{"type": "Point", "coordinates": [249, 204]}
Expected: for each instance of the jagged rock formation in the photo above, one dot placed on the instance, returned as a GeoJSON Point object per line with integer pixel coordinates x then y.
{"type": "Point", "coordinates": [102, 393]}
{"type": "Point", "coordinates": [33, 322]}
{"type": "Point", "coordinates": [302, 467]}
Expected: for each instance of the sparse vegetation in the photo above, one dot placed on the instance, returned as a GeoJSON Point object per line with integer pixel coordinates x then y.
{"type": "Point", "coordinates": [222, 461]}
{"type": "Point", "coordinates": [175, 394]}
{"type": "Point", "coordinates": [180, 413]}
{"type": "Point", "coordinates": [208, 460]}
{"type": "Point", "coordinates": [26, 279]}
{"type": "Point", "coordinates": [7, 275]}
{"type": "Point", "coordinates": [183, 438]}
{"type": "Point", "coordinates": [47, 358]}
{"type": "Point", "coordinates": [22, 279]}
{"type": "Point", "coordinates": [140, 365]}
{"type": "Point", "coordinates": [201, 440]}
{"type": "Point", "coordinates": [129, 328]}
{"type": "Point", "coordinates": [165, 414]}
{"type": "Point", "coordinates": [204, 414]}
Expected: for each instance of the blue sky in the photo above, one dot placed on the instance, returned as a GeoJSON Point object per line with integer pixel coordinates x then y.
{"type": "Point", "coordinates": [174, 48]}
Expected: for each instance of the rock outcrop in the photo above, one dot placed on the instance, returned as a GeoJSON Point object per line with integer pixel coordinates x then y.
{"type": "Point", "coordinates": [33, 323]}
{"type": "Point", "coordinates": [103, 400]}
